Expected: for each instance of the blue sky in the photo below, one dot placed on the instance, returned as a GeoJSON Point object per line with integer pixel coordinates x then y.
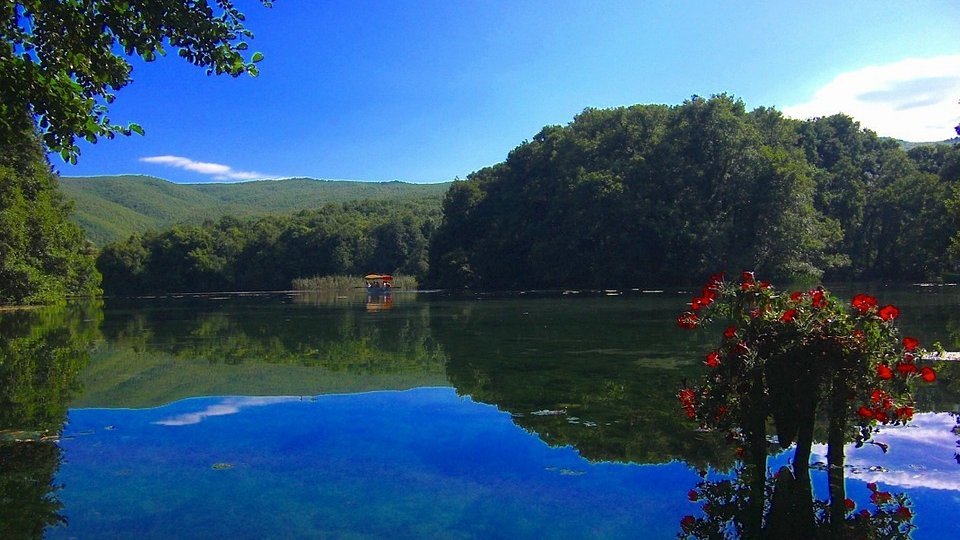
{"type": "Point", "coordinates": [426, 91]}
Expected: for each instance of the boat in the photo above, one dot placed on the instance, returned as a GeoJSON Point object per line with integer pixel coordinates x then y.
{"type": "Point", "coordinates": [378, 283]}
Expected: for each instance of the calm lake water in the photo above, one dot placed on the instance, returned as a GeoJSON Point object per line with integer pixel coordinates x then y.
{"type": "Point", "coordinates": [421, 415]}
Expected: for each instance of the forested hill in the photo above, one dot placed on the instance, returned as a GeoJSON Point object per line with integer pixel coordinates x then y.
{"type": "Point", "coordinates": [111, 208]}
{"type": "Point", "coordinates": [658, 195]}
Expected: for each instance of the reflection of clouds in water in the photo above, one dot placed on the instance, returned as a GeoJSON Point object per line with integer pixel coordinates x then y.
{"type": "Point", "coordinates": [921, 455]}
{"type": "Point", "coordinates": [227, 406]}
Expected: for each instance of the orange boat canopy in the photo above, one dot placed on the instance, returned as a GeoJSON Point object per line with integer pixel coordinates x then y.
{"type": "Point", "coordinates": [378, 277]}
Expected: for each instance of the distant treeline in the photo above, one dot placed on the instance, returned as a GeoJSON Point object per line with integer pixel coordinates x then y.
{"type": "Point", "coordinates": [660, 195]}
{"type": "Point", "coordinates": [270, 252]}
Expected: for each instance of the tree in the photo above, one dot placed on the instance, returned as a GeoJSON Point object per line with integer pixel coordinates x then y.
{"type": "Point", "coordinates": [43, 257]}
{"type": "Point", "coordinates": [61, 61]}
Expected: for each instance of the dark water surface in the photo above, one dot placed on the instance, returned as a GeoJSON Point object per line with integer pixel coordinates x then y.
{"type": "Point", "coordinates": [539, 415]}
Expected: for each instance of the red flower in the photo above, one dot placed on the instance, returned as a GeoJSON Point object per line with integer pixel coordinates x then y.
{"type": "Point", "coordinates": [764, 285]}
{"type": "Point", "coordinates": [889, 312]}
{"type": "Point", "coordinates": [906, 368]}
{"type": "Point", "coordinates": [903, 513]}
{"type": "Point", "coordinates": [863, 302]}
{"type": "Point", "coordinates": [687, 320]}
{"type": "Point", "coordinates": [859, 335]}
{"type": "Point", "coordinates": [796, 296]}
{"type": "Point", "coordinates": [864, 514]}
{"type": "Point", "coordinates": [928, 374]}
{"type": "Point", "coordinates": [693, 495]}
{"type": "Point", "coordinates": [687, 396]}
{"type": "Point", "coordinates": [739, 451]}
{"type": "Point", "coordinates": [740, 348]}
{"type": "Point", "coordinates": [730, 332]}
{"type": "Point", "coordinates": [713, 359]}
{"type": "Point", "coordinates": [864, 412]}
{"type": "Point", "coordinates": [849, 504]}
{"type": "Point", "coordinates": [884, 372]}
{"type": "Point", "coordinates": [880, 416]}
{"type": "Point", "coordinates": [687, 522]}
{"type": "Point", "coordinates": [872, 486]}
{"type": "Point", "coordinates": [819, 299]}
{"type": "Point", "coordinates": [910, 343]}
{"type": "Point", "coordinates": [880, 497]}
{"type": "Point", "coordinates": [716, 280]}
{"type": "Point", "coordinates": [788, 315]}
{"type": "Point", "coordinates": [904, 413]}
{"type": "Point", "coordinates": [747, 277]}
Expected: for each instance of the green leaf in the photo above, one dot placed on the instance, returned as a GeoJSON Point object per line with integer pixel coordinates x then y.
{"type": "Point", "coordinates": [136, 128]}
{"type": "Point", "coordinates": [257, 56]}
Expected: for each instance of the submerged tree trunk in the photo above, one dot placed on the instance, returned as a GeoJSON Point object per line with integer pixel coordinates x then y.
{"type": "Point", "coordinates": [755, 428]}
{"type": "Point", "coordinates": [835, 455]}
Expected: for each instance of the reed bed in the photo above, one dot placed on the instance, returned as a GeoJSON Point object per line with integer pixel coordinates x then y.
{"type": "Point", "coordinates": [345, 283]}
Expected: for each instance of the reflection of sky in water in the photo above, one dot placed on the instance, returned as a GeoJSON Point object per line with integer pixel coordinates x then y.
{"type": "Point", "coordinates": [417, 464]}
{"type": "Point", "coordinates": [920, 455]}
{"type": "Point", "coordinates": [919, 461]}
{"type": "Point", "coordinates": [224, 407]}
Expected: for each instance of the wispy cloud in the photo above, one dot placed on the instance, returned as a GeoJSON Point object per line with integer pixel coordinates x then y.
{"type": "Point", "coordinates": [215, 170]}
{"type": "Point", "coordinates": [914, 99]}
{"type": "Point", "coordinates": [226, 407]}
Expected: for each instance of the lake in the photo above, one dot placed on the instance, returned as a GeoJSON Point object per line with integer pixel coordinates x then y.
{"type": "Point", "coordinates": [525, 415]}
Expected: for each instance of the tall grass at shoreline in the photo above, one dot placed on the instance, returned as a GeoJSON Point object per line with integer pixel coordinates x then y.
{"type": "Point", "coordinates": [344, 283]}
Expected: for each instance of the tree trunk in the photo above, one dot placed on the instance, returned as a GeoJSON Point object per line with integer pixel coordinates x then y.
{"type": "Point", "coordinates": [835, 456]}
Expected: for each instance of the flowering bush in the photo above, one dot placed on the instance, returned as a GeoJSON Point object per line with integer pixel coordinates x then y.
{"type": "Point", "coordinates": [798, 358]}
{"type": "Point", "coordinates": [783, 355]}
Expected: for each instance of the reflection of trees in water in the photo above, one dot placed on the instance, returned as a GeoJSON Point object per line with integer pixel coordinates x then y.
{"type": "Point", "coordinates": [27, 490]}
{"type": "Point", "coordinates": [599, 374]}
{"type": "Point", "coordinates": [239, 332]}
{"type": "Point", "coordinates": [43, 352]}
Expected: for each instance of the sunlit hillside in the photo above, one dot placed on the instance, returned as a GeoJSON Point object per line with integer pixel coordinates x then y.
{"type": "Point", "coordinates": [114, 207]}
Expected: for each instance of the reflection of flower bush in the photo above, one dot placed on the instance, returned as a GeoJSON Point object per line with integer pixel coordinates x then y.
{"type": "Point", "coordinates": [781, 345]}
{"type": "Point", "coordinates": [725, 502]}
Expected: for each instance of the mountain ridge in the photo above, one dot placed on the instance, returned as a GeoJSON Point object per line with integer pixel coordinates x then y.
{"type": "Point", "coordinates": [112, 207]}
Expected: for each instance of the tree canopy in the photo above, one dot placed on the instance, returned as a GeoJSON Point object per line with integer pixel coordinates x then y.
{"type": "Point", "coordinates": [43, 256]}
{"type": "Point", "coordinates": [656, 194]}
{"type": "Point", "coordinates": [62, 60]}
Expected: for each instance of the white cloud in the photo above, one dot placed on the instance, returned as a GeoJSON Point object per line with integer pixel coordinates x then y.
{"type": "Point", "coordinates": [915, 99]}
{"type": "Point", "coordinates": [226, 407]}
{"type": "Point", "coordinates": [920, 455]}
{"type": "Point", "coordinates": [216, 170]}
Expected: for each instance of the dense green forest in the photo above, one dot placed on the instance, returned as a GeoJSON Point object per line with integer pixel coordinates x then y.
{"type": "Point", "coordinates": [43, 256]}
{"type": "Point", "coordinates": [631, 196]}
{"type": "Point", "coordinates": [112, 208]}
{"type": "Point", "coordinates": [659, 195]}
{"type": "Point", "coordinates": [268, 253]}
